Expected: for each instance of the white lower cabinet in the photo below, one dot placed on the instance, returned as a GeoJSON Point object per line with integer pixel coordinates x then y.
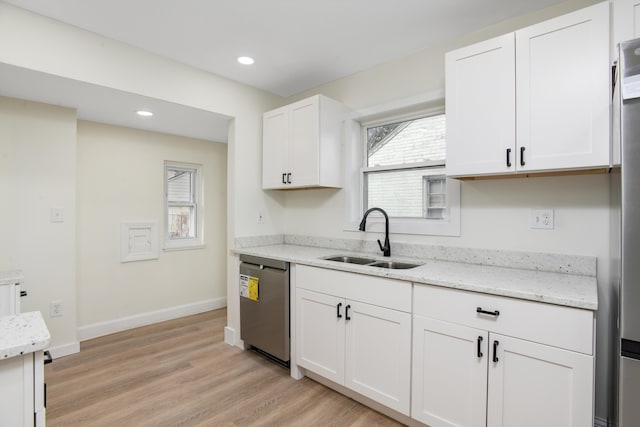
{"type": "Point", "coordinates": [449, 374]}
{"type": "Point", "coordinates": [347, 334]}
{"type": "Point", "coordinates": [532, 384]}
{"type": "Point", "coordinates": [22, 390]}
{"type": "Point", "coordinates": [472, 375]}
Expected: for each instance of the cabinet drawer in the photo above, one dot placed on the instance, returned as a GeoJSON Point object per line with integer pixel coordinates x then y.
{"type": "Point", "coordinates": [389, 293]}
{"type": "Point", "coordinates": [555, 325]}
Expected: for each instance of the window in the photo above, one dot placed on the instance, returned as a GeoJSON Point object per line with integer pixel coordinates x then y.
{"type": "Point", "coordinates": [183, 228]}
{"type": "Point", "coordinates": [401, 170]}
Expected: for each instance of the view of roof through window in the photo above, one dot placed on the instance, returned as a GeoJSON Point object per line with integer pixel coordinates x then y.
{"type": "Point", "coordinates": [411, 141]}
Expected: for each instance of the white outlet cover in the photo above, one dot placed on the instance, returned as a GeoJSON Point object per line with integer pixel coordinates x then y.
{"type": "Point", "coordinates": [57, 215]}
{"type": "Point", "coordinates": [541, 219]}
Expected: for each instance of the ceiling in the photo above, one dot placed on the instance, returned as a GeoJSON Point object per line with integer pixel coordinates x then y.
{"type": "Point", "coordinates": [297, 44]}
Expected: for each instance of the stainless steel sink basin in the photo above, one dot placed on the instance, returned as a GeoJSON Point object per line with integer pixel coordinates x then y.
{"type": "Point", "coordinates": [351, 259]}
{"type": "Point", "coordinates": [394, 265]}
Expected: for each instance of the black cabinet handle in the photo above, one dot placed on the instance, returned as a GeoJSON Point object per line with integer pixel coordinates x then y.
{"type": "Point", "coordinates": [480, 346]}
{"type": "Point", "coordinates": [495, 351]}
{"type": "Point", "coordinates": [283, 178]}
{"type": "Point", "coordinates": [346, 312]}
{"type": "Point", "coordinates": [491, 313]}
{"type": "Point", "coordinates": [521, 156]}
{"type": "Point", "coordinates": [23, 293]}
{"type": "Point", "coordinates": [289, 178]}
{"type": "Point", "coordinates": [338, 310]}
{"type": "Point", "coordinates": [508, 157]}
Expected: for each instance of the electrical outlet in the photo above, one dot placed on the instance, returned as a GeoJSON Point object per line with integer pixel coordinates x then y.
{"type": "Point", "coordinates": [542, 218]}
{"type": "Point", "coordinates": [57, 215]}
{"type": "Point", "coordinates": [55, 309]}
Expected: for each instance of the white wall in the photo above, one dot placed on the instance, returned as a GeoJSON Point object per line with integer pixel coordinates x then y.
{"type": "Point", "coordinates": [121, 178]}
{"type": "Point", "coordinates": [41, 44]}
{"type": "Point", "coordinates": [494, 213]}
{"type": "Point", "coordinates": [37, 173]}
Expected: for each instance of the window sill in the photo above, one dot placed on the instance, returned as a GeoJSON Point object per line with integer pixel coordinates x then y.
{"type": "Point", "coordinates": [170, 246]}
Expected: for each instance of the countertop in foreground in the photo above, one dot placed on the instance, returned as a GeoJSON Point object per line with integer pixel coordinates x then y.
{"type": "Point", "coordinates": [22, 333]}
{"type": "Point", "coordinates": [553, 288]}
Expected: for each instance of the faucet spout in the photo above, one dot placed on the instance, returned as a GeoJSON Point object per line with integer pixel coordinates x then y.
{"type": "Point", "coordinates": [386, 248]}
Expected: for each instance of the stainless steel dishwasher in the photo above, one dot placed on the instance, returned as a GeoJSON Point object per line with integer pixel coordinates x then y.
{"type": "Point", "coordinates": [264, 306]}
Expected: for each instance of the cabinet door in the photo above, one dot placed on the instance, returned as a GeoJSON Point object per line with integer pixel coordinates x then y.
{"type": "Point", "coordinates": [275, 143]}
{"type": "Point", "coordinates": [534, 385]}
{"type": "Point", "coordinates": [449, 374]}
{"type": "Point", "coordinates": [378, 354]}
{"type": "Point", "coordinates": [320, 334]}
{"type": "Point", "coordinates": [16, 391]}
{"type": "Point", "coordinates": [562, 82]}
{"type": "Point", "coordinates": [304, 142]}
{"type": "Point", "coordinates": [480, 90]}
{"type": "Point", "coordinates": [626, 20]}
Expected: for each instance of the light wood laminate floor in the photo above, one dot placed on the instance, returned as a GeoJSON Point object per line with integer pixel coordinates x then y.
{"type": "Point", "coordinates": [181, 373]}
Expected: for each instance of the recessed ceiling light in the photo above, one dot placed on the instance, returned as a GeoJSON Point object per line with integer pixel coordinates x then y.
{"type": "Point", "coordinates": [245, 60]}
{"type": "Point", "coordinates": [144, 113]}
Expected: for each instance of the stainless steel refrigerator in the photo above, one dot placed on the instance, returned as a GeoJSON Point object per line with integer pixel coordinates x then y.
{"type": "Point", "coordinates": [627, 128]}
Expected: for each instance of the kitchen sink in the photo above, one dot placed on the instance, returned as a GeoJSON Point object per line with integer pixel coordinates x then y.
{"type": "Point", "coordinates": [351, 259]}
{"type": "Point", "coordinates": [394, 265]}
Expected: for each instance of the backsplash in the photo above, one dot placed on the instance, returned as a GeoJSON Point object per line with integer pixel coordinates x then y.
{"type": "Point", "coordinates": [555, 263]}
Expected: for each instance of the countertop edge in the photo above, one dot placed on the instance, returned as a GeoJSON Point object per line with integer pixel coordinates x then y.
{"type": "Point", "coordinates": [22, 334]}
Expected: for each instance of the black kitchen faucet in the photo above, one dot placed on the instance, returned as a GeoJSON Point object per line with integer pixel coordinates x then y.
{"type": "Point", "coordinates": [386, 249]}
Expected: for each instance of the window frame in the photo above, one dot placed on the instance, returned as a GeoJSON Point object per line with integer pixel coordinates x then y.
{"type": "Point", "coordinates": [197, 241]}
{"type": "Point", "coordinates": [355, 133]}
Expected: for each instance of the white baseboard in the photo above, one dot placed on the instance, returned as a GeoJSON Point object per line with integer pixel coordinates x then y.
{"type": "Point", "coordinates": [122, 324]}
{"type": "Point", "coordinates": [229, 335]}
{"type": "Point", "coordinates": [64, 350]}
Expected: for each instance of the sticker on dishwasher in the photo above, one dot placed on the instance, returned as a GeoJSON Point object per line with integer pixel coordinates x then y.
{"type": "Point", "coordinates": [249, 287]}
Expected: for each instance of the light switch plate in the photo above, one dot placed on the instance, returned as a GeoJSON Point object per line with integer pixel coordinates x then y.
{"type": "Point", "coordinates": [541, 219]}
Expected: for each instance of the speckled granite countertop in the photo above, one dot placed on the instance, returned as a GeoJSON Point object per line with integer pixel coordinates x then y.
{"type": "Point", "coordinates": [22, 333]}
{"type": "Point", "coordinates": [572, 290]}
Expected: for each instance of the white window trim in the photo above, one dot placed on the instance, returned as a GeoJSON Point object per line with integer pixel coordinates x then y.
{"type": "Point", "coordinates": [196, 242]}
{"type": "Point", "coordinates": [355, 152]}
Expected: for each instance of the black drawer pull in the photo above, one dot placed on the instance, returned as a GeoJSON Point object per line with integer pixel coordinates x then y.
{"type": "Point", "coordinates": [521, 156]}
{"type": "Point", "coordinates": [508, 157]}
{"type": "Point", "coordinates": [283, 178]}
{"type": "Point", "coordinates": [480, 346]}
{"type": "Point", "coordinates": [346, 312]}
{"type": "Point", "coordinates": [289, 178]}
{"type": "Point", "coordinates": [490, 313]}
{"type": "Point", "coordinates": [338, 310]}
{"type": "Point", "coordinates": [495, 351]}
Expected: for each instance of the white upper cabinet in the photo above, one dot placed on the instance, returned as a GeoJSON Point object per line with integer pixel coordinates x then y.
{"type": "Point", "coordinates": [540, 103]}
{"type": "Point", "coordinates": [562, 86]}
{"type": "Point", "coordinates": [481, 107]}
{"type": "Point", "coordinates": [302, 145]}
{"type": "Point", "coordinates": [626, 20]}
